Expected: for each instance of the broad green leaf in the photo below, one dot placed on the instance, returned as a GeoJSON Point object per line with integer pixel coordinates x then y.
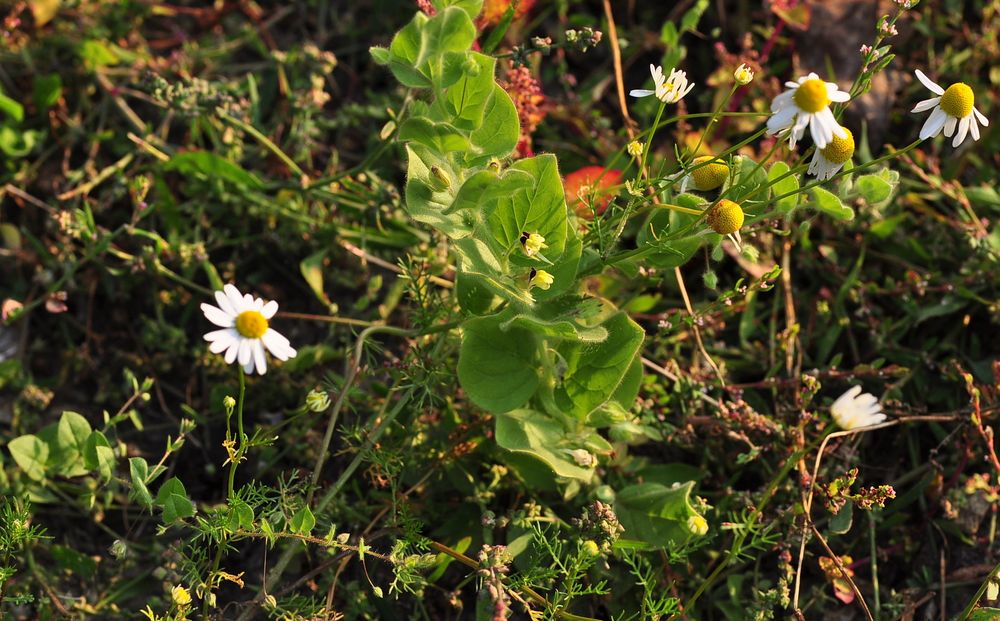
{"type": "Point", "coordinates": [173, 498]}
{"type": "Point", "coordinates": [985, 614]}
{"type": "Point", "coordinates": [749, 183]}
{"type": "Point", "coordinates": [474, 296]}
{"type": "Point", "coordinates": [558, 329]}
{"type": "Point", "coordinates": [498, 134]}
{"type": "Point", "coordinates": [96, 54]}
{"type": "Point", "coordinates": [873, 188]}
{"type": "Point", "coordinates": [98, 455]}
{"type": "Point", "coordinates": [303, 521]}
{"type": "Point", "coordinates": [482, 269]}
{"type": "Point", "coordinates": [828, 203]}
{"type": "Point", "coordinates": [403, 53]}
{"type": "Point", "coordinates": [441, 137]}
{"type": "Point", "coordinates": [30, 453]}
{"type": "Point", "coordinates": [594, 371]}
{"type": "Point", "coordinates": [786, 185]}
{"type": "Point", "coordinates": [465, 101]}
{"type": "Point", "coordinates": [73, 432]}
{"type": "Point", "coordinates": [47, 90]}
{"type": "Point", "coordinates": [498, 369]}
{"type": "Point", "coordinates": [538, 209]}
{"type": "Point", "coordinates": [380, 54]}
{"type": "Point", "coordinates": [240, 515]}
{"type": "Point", "coordinates": [451, 30]}
{"type": "Point", "coordinates": [472, 7]}
{"type": "Point", "coordinates": [428, 196]}
{"type": "Point", "coordinates": [139, 472]}
{"type": "Point", "coordinates": [656, 514]}
{"type": "Point", "coordinates": [563, 269]}
{"type": "Point", "coordinates": [536, 434]}
{"type": "Point", "coordinates": [311, 269]}
{"type": "Point", "coordinates": [11, 108]}
{"type": "Point", "coordinates": [840, 522]}
{"type": "Point", "coordinates": [485, 187]}
{"type": "Point", "coordinates": [212, 166]}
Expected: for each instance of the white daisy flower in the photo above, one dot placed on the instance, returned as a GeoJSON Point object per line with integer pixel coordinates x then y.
{"type": "Point", "coordinates": [807, 103]}
{"type": "Point", "coordinates": [245, 331]}
{"type": "Point", "coordinates": [828, 161]}
{"type": "Point", "coordinates": [668, 90]}
{"type": "Point", "coordinates": [854, 409]}
{"type": "Point", "coordinates": [952, 108]}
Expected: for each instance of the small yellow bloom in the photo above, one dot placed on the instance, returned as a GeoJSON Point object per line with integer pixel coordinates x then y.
{"type": "Point", "coordinates": [533, 243]}
{"type": "Point", "coordinates": [743, 75]}
{"type": "Point", "coordinates": [541, 279]}
{"type": "Point", "coordinates": [726, 217]}
{"type": "Point", "coordinates": [181, 596]}
{"type": "Point", "coordinates": [634, 148]}
{"type": "Point", "coordinates": [697, 525]}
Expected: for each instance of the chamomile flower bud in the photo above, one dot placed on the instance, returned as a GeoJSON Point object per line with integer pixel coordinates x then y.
{"type": "Point", "coordinates": [743, 75]}
{"type": "Point", "coordinates": [726, 217]}
{"type": "Point", "coordinates": [953, 109]}
{"type": "Point", "coordinates": [707, 173]}
{"type": "Point", "coordinates": [317, 400]}
{"type": "Point", "coordinates": [180, 596]}
{"type": "Point", "coordinates": [591, 548]}
{"type": "Point", "coordinates": [541, 279]}
{"type": "Point", "coordinates": [634, 149]}
{"type": "Point", "coordinates": [532, 243]}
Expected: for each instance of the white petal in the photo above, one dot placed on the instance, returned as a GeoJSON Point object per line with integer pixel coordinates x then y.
{"type": "Point", "coordinates": [244, 354]}
{"type": "Point", "coordinates": [982, 119]}
{"type": "Point", "coordinates": [783, 100]}
{"type": "Point", "coordinates": [223, 301]}
{"type": "Point", "coordinates": [217, 316]}
{"type": "Point", "coordinates": [233, 350]}
{"type": "Point", "coordinates": [225, 334]}
{"type": "Point", "coordinates": [219, 346]}
{"type": "Point", "coordinates": [811, 76]}
{"type": "Point", "coordinates": [840, 96]}
{"type": "Point", "coordinates": [933, 124]}
{"type": "Point", "coordinates": [949, 126]}
{"type": "Point", "coordinates": [248, 368]}
{"type": "Point", "coordinates": [926, 104]}
{"type": "Point", "coordinates": [877, 419]}
{"type": "Point", "coordinates": [269, 309]}
{"type": "Point", "coordinates": [974, 129]}
{"type": "Point", "coordinates": [235, 297]}
{"type": "Point", "coordinates": [278, 345]}
{"type": "Point", "coordinates": [781, 119]}
{"type": "Point", "coordinates": [821, 134]}
{"type": "Point", "coordinates": [640, 92]}
{"type": "Point", "coordinates": [963, 130]}
{"type": "Point", "coordinates": [258, 357]}
{"type": "Point", "coordinates": [793, 85]}
{"type": "Point", "coordinates": [930, 84]}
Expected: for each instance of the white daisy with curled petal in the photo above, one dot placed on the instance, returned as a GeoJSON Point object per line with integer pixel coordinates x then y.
{"type": "Point", "coordinates": [245, 330]}
{"type": "Point", "coordinates": [828, 161]}
{"type": "Point", "coordinates": [669, 90]}
{"type": "Point", "coordinates": [952, 108]}
{"type": "Point", "coordinates": [806, 103]}
{"type": "Point", "coordinates": [853, 410]}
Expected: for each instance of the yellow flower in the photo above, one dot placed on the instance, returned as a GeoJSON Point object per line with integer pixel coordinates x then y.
{"type": "Point", "coordinates": [634, 148]}
{"type": "Point", "coordinates": [533, 243]}
{"type": "Point", "coordinates": [181, 596]}
{"type": "Point", "coordinates": [540, 279]}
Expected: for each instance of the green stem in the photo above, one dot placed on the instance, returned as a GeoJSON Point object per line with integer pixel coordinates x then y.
{"type": "Point", "coordinates": [993, 575]}
{"type": "Point", "coordinates": [241, 448]}
{"type": "Point", "coordinates": [265, 141]}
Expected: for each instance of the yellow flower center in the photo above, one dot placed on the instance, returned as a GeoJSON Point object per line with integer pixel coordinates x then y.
{"type": "Point", "coordinates": [708, 176]}
{"type": "Point", "coordinates": [811, 96]}
{"type": "Point", "coordinates": [251, 324]}
{"type": "Point", "coordinates": [840, 149]}
{"type": "Point", "coordinates": [958, 100]}
{"type": "Point", "coordinates": [726, 217]}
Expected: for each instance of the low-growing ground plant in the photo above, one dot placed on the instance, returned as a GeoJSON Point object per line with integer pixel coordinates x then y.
{"type": "Point", "coordinates": [304, 319]}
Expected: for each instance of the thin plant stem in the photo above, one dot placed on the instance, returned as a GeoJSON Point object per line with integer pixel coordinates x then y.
{"type": "Point", "coordinates": [241, 448]}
